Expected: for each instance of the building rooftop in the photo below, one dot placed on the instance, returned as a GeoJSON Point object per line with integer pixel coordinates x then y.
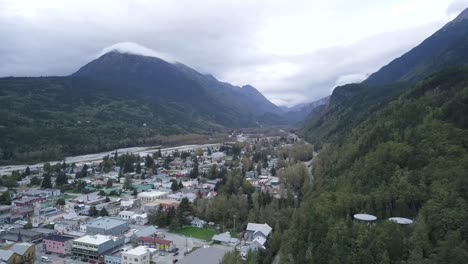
{"type": "Point", "coordinates": [147, 231]}
{"type": "Point", "coordinates": [155, 240]}
{"type": "Point", "coordinates": [265, 229]}
{"type": "Point", "coordinates": [5, 255]}
{"type": "Point", "coordinates": [93, 239]}
{"type": "Point", "coordinates": [153, 194]}
{"type": "Point", "coordinates": [21, 248]}
{"type": "Point", "coordinates": [138, 251]}
{"type": "Point", "coordinates": [365, 217]}
{"type": "Point", "coordinates": [401, 220]}
{"type": "Point", "coordinates": [106, 223]}
{"type": "Point", "coordinates": [58, 238]}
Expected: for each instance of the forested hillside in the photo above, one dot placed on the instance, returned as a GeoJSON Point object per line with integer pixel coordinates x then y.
{"type": "Point", "coordinates": [398, 155]}
{"type": "Point", "coordinates": [48, 118]}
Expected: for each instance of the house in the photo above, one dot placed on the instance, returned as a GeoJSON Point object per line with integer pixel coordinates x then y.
{"type": "Point", "coordinates": [197, 222]}
{"type": "Point", "coordinates": [128, 203]}
{"type": "Point", "coordinates": [254, 230]}
{"type": "Point", "coordinates": [138, 255]}
{"type": "Point", "coordinates": [57, 244]}
{"type": "Point", "coordinates": [140, 219]}
{"type": "Point", "coordinates": [107, 226]}
{"type": "Point", "coordinates": [225, 239]}
{"type": "Point", "coordinates": [93, 246]}
{"type": "Point", "coordinates": [157, 243]}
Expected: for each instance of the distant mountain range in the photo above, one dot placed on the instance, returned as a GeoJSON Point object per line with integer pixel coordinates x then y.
{"type": "Point", "coordinates": [122, 99]}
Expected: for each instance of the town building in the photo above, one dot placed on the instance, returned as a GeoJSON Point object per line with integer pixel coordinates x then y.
{"type": "Point", "coordinates": [107, 226]}
{"type": "Point", "coordinates": [163, 204]}
{"type": "Point", "coordinates": [58, 244]}
{"type": "Point", "coordinates": [28, 201]}
{"type": "Point", "coordinates": [23, 252]}
{"type": "Point", "coordinates": [157, 243]}
{"type": "Point", "coordinates": [93, 246]}
{"type": "Point", "coordinates": [138, 255]}
{"type": "Point", "coordinates": [148, 197]}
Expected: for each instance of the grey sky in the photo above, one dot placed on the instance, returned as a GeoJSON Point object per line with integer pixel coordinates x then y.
{"type": "Point", "coordinates": [292, 51]}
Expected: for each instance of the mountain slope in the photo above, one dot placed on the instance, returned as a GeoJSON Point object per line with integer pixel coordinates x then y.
{"type": "Point", "coordinates": [407, 158]}
{"type": "Point", "coordinates": [119, 100]}
{"type": "Point", "coordinates": [448, 46]}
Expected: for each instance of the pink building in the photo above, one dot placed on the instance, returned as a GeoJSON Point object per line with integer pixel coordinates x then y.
{"type": "Point", "coordinates": [57, 244]}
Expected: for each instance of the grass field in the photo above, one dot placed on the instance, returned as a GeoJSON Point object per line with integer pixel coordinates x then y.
{"type": "Point", "coordinates": [200, 233]}
{"type": "Point", "coordinates": [67, 196]}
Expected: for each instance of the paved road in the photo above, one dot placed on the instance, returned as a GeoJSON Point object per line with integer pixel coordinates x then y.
{"type": "Point", "coordinates": [98, 156]}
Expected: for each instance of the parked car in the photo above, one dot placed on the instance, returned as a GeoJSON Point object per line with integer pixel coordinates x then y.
{"type": "Point", "coordinates": [48, 252]}
{"type": "Point", "coordinates": [176, 253]}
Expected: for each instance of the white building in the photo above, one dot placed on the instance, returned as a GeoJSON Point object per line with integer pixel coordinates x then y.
{"type": "Point", "coordinates": [148, 197]}
{"type": "Point", "coordinates": [126, 215]}
{"type": "Point", "coordinates": [140, 219]}
{"type": "Point", "coordinates": [138, 255]}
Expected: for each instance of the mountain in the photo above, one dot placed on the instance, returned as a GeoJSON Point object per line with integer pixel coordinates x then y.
{"type": "Point", "coordinates": [403, 155]}
{"type": "Point", "coordinates": [352, 103]}
{"type": "Point", "coordinates": [446, 47]}
{"type": "Point", "coordinates": [395, 145]}
{"type": "Point", "coordinates": [298, 113]}
{"type": "Point", "coordinates": [178, 82]}
{"type": "Point", "coordinates": [120, 100]}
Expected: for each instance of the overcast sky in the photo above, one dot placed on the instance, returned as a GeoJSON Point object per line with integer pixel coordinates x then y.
{"type": "Point", "coordinates": [291, 51]}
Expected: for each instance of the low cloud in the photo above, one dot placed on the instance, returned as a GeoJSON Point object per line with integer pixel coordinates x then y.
{"type": "Point", "coordinates": [291, 52]}
{"type": "Point", "coordinates": [456, 7]}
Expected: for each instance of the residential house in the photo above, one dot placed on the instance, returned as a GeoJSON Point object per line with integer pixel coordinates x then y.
{"type": "Point", "coordinates": [197, 222]}
{"type": "Point", "coordinates": [140, 219]}
{"type": "Point", "coordinates": [254, 230]}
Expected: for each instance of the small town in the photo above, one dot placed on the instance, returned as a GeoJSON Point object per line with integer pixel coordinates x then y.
{"type": "Point", "coordinates": [157, 206]}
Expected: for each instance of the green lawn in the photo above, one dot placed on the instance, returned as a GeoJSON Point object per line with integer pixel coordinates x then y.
{"type": "Point", "coordinates": [67, 196]}
{"type": "Point", "coordinates": [200, 233]}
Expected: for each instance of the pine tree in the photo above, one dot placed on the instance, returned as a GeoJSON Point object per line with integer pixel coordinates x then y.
{"type": "Point", "coordinates": [127, 183]}
{"type": "Point", "coordinates": [46, 182]}
{"type": "Point", "coordinates": [61, 179]}
{"type": "Point", "coordinates": [109, 183]}
{"type": "Point", "coordinates": [93, 211]}
{"type": "Point", "coordinates": [103, 212]}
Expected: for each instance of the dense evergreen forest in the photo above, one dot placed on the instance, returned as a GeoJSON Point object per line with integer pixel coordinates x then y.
{"type": "Point", "coordinates": [388, 155]}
